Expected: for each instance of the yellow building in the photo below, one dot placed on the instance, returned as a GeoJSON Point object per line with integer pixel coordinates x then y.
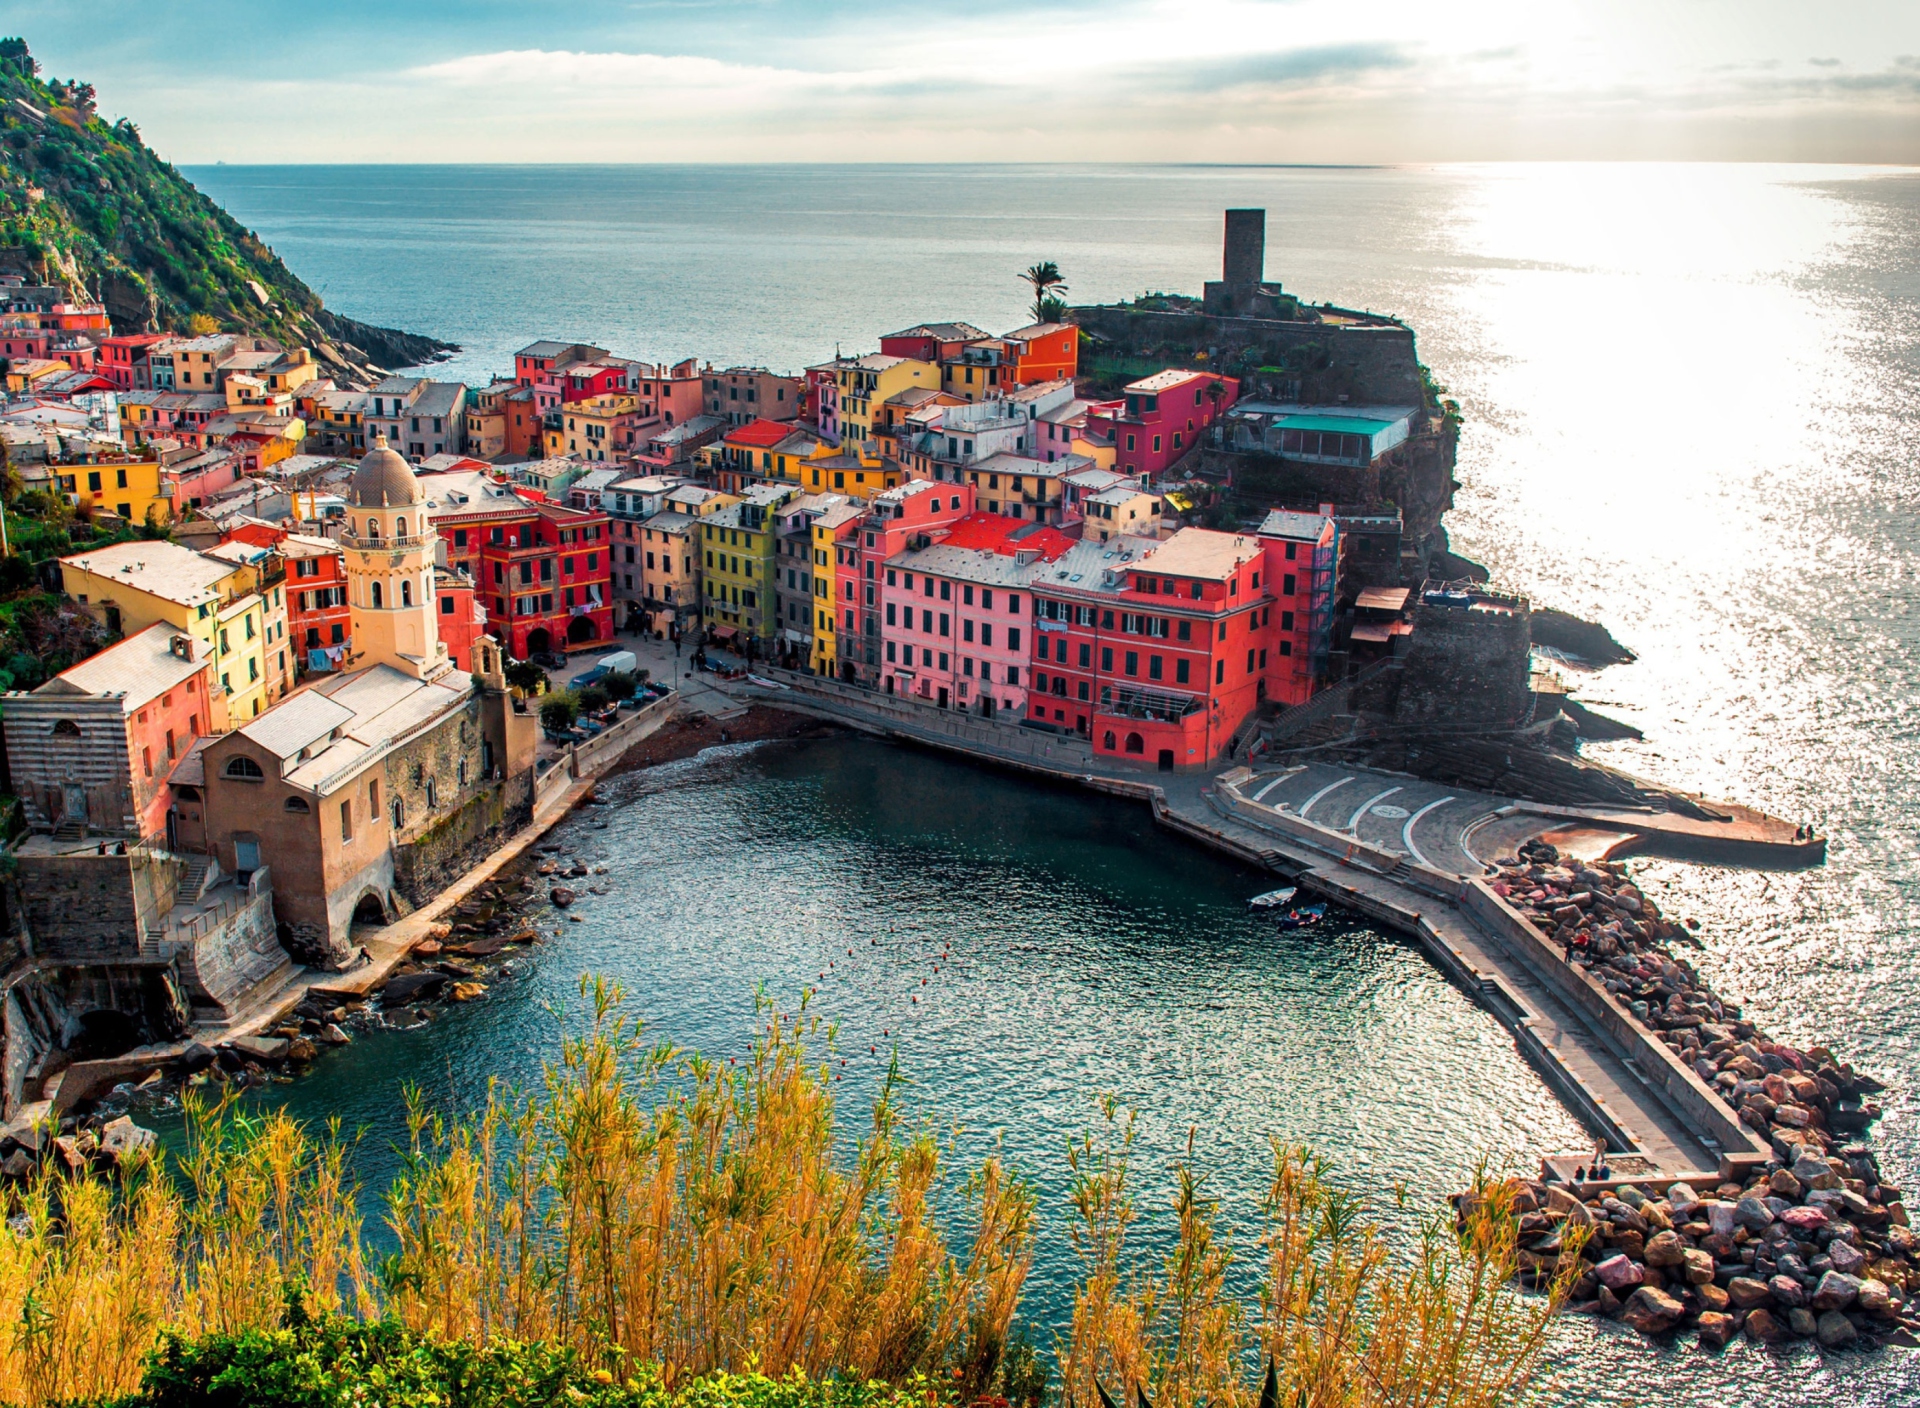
{"type": "Point", "coordinates": [597, 428]}
{"type": "Point", "coordinates": [865, 384]}
{"type": "Point", "coordinates": [832, 535]}
{"type": "Point", "coordinates": [130, 488]}
{"type": "Point", "coordinates": [737, 549]}
{"type": "Point", "coordinates": [133, 585]}
{"type": "Point", "coordinates": [855, 470]}
{"type": "Point", "coordinates": [24, 373]}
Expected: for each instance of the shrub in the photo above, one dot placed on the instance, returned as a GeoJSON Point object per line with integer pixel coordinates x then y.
{"type": "Point", "coordinates": [618, 684]}
{"type": "Point", "coordinates": [526, 676]}
{"type": "Point", "coordinates": [593, 699]}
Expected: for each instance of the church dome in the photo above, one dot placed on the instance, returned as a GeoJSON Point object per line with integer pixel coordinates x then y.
{"type": "Point", "coordinates": [384, 479]}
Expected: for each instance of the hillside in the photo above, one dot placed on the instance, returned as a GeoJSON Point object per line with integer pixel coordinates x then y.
{"type": "Point", "coordinates": [88, 205]}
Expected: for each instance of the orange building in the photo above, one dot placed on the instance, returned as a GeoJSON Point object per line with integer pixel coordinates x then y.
{"type": "Point", "coordinates": [1043, 352]}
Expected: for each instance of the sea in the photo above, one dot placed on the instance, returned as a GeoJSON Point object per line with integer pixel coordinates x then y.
{"type": "Point", "coordinates": [1690, 412]}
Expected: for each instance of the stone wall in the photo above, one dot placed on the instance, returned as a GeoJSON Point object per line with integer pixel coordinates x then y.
{"type": "Point", "coordinates": [460, 839]}
{"type": "Point", "coordinates": [1461, 669]}
{"type": "Point", "coordinates": [95, 907]}
{"type": "Point", "coordinates": [234, 952]}
{"type": "Point", "coordinates": [1371, 362]}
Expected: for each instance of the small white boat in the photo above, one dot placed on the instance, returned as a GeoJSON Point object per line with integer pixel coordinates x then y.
{"type": "Point", "coordinates": [1272, 899]}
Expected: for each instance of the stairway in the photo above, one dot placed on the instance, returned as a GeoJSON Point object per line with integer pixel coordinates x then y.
{"type": "Point", "coordinates": [194, 881]}
{"type": "Point", "coordinates": [70, 831]}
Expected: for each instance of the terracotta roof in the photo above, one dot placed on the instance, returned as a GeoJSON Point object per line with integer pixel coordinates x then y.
{"type": "Point", "coordinates": [760, 434]}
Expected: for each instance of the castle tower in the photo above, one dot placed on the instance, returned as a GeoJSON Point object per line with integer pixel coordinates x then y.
{"type": "Point", "coordinates": [389, 553]}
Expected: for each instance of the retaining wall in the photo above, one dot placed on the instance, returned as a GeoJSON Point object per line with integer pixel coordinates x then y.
{"type": "Point", "coordinates": [1690, 1096]}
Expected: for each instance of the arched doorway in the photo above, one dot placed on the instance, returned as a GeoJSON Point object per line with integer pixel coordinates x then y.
{"type": "Point", "coordinates": [539, 641]}
{"type": "Point", "coordinates": [581, 628]}
{"type": "Point", "coordinates": [1136, 744]}
{"type": "Point", "coordinates": [370, 910]}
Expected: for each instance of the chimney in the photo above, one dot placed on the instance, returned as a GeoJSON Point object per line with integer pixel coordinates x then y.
{"type": "Point", "coordinates": [1244, 262]}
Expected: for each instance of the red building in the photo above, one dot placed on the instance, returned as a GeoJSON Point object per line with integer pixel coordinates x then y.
{"type": "Point", "coordinates": [1155, 652]}
{"type": "Point", "coordinates": [931, 342]}
{"type": "Point", "coordinates": [463, 620]}
{"type": "Point", "coordinates": [123, 359]}
{"type": "Point", "coordinates": [1302, 575]}
{"type": "Point", "coordinates": [541, 367]}
{"type": "Point", "coordinates": [1161, 419]}
{"type": "Point", "coordinates": [542, 572]}
{"type": "Point", "coordinates": [1044, 352]}
{"type": "Point", "coordinates": [318, 617]}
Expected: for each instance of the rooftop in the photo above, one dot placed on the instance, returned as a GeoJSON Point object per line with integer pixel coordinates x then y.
{"type": "Point", "coordinates": [1292, 523]}
{"type": "Point", "coordinates": [1202, 552]}
{"type": "Point", "coordinates": [760, 434]}
{"type": "Point", "coordinates": [1164, 381]}
{"type": "Point", "coordinates": [140, 668]}
{"type": "Point", "coordinates": [165, 570]}
{"type": "Point", "coordinates": [554, 349]}
{"type": "Point", "coordinates": [1035, 330]}
{"type": "Point", "coordinates": [998, 532]}
{"type": "Point", "coordinates": [1085, 566]}
{"type": "Point", "coordinates": [942, 332]}
{"type": "Point", "coordinates": [376, 709]}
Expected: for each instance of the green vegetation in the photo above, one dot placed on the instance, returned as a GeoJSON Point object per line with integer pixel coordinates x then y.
{"type": "Point", "coordinates": [559, 710]}
{"type": "Point", "coordinates": [653, 1227]}
{"type": "Point", "coordinates": [1047, 284]}
{"type": "Point", "coordinates": [621, 686]}
{"type": "Point", "coordinates": [87, 205]}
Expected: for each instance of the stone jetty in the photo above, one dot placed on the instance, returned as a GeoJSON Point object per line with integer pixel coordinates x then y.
{"type": "Point", "coordinates": [1811, 1245]}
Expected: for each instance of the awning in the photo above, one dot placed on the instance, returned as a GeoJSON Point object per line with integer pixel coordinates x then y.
{"type": "Point", "coordinates": [1380, 632]}
{"type": "Point", "coordinates": [721, 633]}
{"type": "Point", "coordinates": [1383, 599]}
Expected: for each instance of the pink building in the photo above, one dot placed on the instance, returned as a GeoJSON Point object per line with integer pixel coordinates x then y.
{"type": "Point", "coordinates": [1162, 418]}
{"type": "Point", "coordinates": [956, 625]}
{"type": "Point", "coordinates": [898, 517]}
{"type": "Point", "coordinates": [95, 744]}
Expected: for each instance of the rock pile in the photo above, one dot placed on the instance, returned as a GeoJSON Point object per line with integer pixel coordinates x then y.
{"type": "Point", "coordinates": [1813, 1245]}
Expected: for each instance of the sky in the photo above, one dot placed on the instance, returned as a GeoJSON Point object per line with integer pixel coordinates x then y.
{"type": "Point", "coordinates": [1231, 81]}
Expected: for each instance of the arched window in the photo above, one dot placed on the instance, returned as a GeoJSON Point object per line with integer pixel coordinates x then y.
{"type": "Point", "coordinates": [400, 527]}
{"type": "Point", "coordinates": [399, 814]}
{"type": "Point", "coordinates": [1107, 741]}
{"type": "Point", "coordinates": [376, 594]}
{"type": "Point", "coordinates": [66, 728]}
{"type": "Point", "coordinates": [406, 591]}
{"type": "Point", "coordinates": [373, 529]}
{"type": "Point", "coordinates": [298, 804]}
{"type": "Point", "coordinates": [244, 767]}
{"type": "Point", "coordinates": [1136, 744]}
{"type": "Point", "coordinates": [433, 793]}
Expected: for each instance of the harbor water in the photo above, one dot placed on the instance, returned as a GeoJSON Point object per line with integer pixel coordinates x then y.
{"type": "Point", "coordinates": [1689, 413]}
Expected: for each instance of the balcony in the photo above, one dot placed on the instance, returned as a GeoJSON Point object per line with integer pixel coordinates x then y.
{"type": "Point", "coordinates": [1158, 704]}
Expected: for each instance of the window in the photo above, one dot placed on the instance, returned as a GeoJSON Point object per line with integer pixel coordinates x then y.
{"type": "Point", "coordinates": [1153, 667]}
{"type": "Point", "coordinates": [1286, 585]}
{"type": "Point", "coordinates": [146, 761]}
{"type": "Point", "coordinates": [376, 596]}
{"type": "Point", "coordinates": [433, 792]}
{"type": "Point", "coordinates": [245, 768]}
{"type": "Point", "coordinates": [1013, 638]}
{"type": "Point", "coordinates": [399, 813]}
{"type": "Point", "coordinates": [1219, 672]}
{"type": "Point", "coordinates": [406, 591]}
{"type": "Point", "coordinates": [298, 804]}
{"type": "Point", "coordinates": [373, 796]}
{"type": "Point", "coordinates": [1133, 662]}
{"type": "Point", "coordinates": [1249, 662]}
{"type": "Point", "coordinates": [1106, 658]}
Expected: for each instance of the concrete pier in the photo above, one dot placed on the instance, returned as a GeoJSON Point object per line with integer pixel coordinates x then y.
{"type": "Point", "coordinates": [1410, 855]}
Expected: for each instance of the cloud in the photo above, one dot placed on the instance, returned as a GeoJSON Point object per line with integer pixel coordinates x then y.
{"type": "Point", "coordinates": [567, 74]}
{"type": "Point", "coordinates": [1287, 68]}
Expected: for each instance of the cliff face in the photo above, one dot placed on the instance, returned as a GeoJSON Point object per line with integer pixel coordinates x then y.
{"type": "Point", "coordinates": [89, 206]}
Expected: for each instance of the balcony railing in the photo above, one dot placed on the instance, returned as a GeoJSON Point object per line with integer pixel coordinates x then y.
{"type": "Point", "coordinates": [1149, 704]}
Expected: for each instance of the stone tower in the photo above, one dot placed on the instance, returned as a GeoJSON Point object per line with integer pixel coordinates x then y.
{"type": "Point", "coordinates": [1243, 261]}
{"type": "Point", "coordinates": [389, 555]}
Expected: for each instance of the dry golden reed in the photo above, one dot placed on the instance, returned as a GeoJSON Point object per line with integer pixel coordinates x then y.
{"type": "Point", "coordinates": [649, 1206]}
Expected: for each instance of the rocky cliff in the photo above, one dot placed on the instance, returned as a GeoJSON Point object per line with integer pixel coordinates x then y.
{"type": "Point", "coordinates": [87, 205]}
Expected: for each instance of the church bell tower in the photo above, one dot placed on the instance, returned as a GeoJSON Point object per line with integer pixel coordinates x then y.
{"type": "Point", "coordinates": [389, 561]}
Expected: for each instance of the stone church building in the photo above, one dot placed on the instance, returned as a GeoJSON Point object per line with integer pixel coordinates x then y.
{"type": "Point", "coordinates": [369, 792]}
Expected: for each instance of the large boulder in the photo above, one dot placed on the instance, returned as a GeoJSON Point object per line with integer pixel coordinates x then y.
{"type": "Point", "coordinates": [411, 987]}
{"type": "Point", "coordinates": [268, 1049]}
{"type": "Point", "coordinates": [1834, 1329]}
{"type": "Point", "coordinates": [1696, 1266]}
{"type": "Point", "coordinates": [1836, 1291]}
{"type": "Point", "coordinates": [122, 1140]}
{"type": "Point", "coordinates": [1753, 1214]}
{"type": "Point", "coordinates": [1787, 1291]}
{"type": "Point", "coordinates": [1716, 1328]}
{"type": "Point", "coordinates": [1620, 1274]}
{"type": "Point", "coordinates": [1846, 1257]}
{"type": "Point", "coordinates": [1652, 1312]}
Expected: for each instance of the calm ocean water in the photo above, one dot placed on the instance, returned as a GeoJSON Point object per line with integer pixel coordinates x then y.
{"type": "Point", "coordinates": [1691, 408]}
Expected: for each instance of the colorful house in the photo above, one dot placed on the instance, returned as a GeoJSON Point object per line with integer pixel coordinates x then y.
{"type": "Point", "coordinates": [834, 535]}
{"type": "Point", "coordinates": [92, 747]}
{"type": "Point", "coordinates": [738, 548]}
{"type": "Point", "coordinates": [1161, 419]}
{"type": "Point", "coordinates": [130, 488]}
{"type": "Point", "coordinates": [133, 585]}
{"type": "Point", "coordinates": [542, 571]}
{"type": "Point", "coordinates": [1156, 652]}
{"type": "Point", "coordinates": [896, 518]}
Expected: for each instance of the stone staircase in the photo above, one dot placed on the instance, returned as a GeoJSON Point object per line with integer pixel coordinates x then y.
{"type": "Point", "coordinates": [193, 884]}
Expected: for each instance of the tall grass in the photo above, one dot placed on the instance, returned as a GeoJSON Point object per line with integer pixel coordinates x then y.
{"type": "Point", "coordinates": [650, 1207]}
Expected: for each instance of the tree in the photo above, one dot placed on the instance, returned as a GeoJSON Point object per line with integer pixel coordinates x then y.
{"type": "Point", "coordinates": [593, 699]}
{"type": "Point", "coordinates": [558, 712]}
{"type": "Point", "coordinates": [618, 684]}
{"type": "Point", "coordinates": [1047, 285]}
{"type": "Point", "coordinates": [526, 677]}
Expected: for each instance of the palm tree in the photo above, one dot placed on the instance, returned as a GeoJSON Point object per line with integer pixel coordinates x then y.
{"type": "Point", "coordinates": [1047, 285]}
